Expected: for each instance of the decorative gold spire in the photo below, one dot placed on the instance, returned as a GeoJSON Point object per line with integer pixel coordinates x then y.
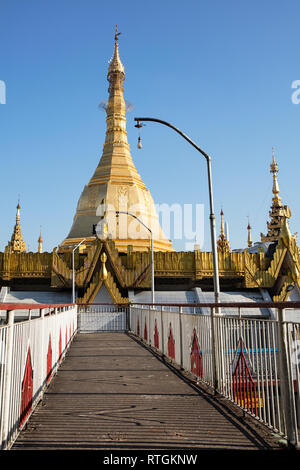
{"type": "Point", "coordinates": [40, 242]}
{"type": "Point", "coordinates": [116, 184]}
{"type": "Point", "coordinates": [222, 243]}
{"type": "Point", "coordinates": [116, 163]}
{"type": "Point", "coordinates": [16, 244]}
{"type": "Point", "coordinates": [278, 211]}
{"type": "Point", "coordinates": [249, 235]}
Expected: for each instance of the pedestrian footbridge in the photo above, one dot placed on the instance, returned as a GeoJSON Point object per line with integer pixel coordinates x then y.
{"type": "Point", "coordinates": [138, 377]}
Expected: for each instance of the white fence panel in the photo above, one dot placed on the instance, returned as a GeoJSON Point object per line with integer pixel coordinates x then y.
{"type": "Point", "coordinates": [254, 363]}
{"type": "Point", "coordinates": [37, 347]}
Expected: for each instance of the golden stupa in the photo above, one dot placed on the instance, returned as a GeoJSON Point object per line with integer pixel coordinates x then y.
{"type": "Point", "coordinates": [116, 186]}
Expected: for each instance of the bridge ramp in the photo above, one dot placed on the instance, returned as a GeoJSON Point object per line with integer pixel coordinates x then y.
{"type": "Point", "coordinates": [113, 393]}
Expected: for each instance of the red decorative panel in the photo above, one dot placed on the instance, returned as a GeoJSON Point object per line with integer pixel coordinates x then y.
{"type": "Point", "coordinates": [27, 390]}
{"type": "Point", "coordinates": [66, 337]}
{"type": "Point", "coordinates": [145, 331]}
{"type": "Point", "coordinates": [49, 361]}
{"type": "Point", "coordinates": [244, 387]}
{"type": "Point", "coordinates": [156, 337]}
{"type": "Point", "coordinates": [171, 344]}
{"type": "Point", "coordinates": [196, 357]}
{"type": "Point", "coordinates": [138, 327]}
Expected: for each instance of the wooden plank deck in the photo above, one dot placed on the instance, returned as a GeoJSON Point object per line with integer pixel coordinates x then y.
{"type": "Point", "coordinates": [112, 393]}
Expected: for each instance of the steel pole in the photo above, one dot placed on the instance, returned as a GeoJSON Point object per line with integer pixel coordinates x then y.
{"type": "Point", "coordinates": [152, 252]}
{"type": "Point", "coordinates": [152, 268]}
{"type": "Point", "coordinates": [73, 279]}
{"type": "Point", "coordinates": [286, 380]}
{"type": "Point", "coordinates": [212, 232]}
{"type": "Point", "coordinates": [73, 271]}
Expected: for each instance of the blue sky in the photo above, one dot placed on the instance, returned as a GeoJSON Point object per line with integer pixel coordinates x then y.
{"type": "Point", "coordinates": [219, 71]}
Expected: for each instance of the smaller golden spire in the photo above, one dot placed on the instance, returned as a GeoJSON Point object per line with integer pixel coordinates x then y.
{"type": "Point", "coordinates": [16, 244]}
{"type": "Point", "coordinates": [249, 234]}
{"type": "Point", "coordinates": [278, 210]}
{"type": "Point", "coordinates": [223, 243]}
{"type": "Point", "coordinates": [40, 242]}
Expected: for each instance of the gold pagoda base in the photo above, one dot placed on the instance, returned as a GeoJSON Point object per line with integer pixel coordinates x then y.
{"type": "Point", "coordinates": [122, 245]}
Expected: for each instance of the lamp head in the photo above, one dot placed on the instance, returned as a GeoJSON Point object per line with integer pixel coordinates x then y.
{"type": "Point", "coordinates": [138, 125]}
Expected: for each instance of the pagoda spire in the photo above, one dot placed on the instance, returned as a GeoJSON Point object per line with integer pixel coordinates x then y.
{"type": "Point", "coordinates": [249, 234]}
{"type": "Point", "coordinates": [40, 242]}
{"type": "Point", "coordinates": [222, 243]}
{"type": "Point", "coordinates": [278, 211]}
{"type": "Point", "coordinates": [16, 244]}
{"type": "Point", "coordinates": [116, 184]}
{"type": "Point", "coordinates": [116, 164]}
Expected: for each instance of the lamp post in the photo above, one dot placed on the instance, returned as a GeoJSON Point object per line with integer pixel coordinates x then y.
{"type": "Point", "coordinates": [213, 237]}
{"type": "Point", "coordinates": [73, 271]}
{"type": "Point", "coordinates": [211, 203]}
{"type": "Point", "coordinates": [152, 255]}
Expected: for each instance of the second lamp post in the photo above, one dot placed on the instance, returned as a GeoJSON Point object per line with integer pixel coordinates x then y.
{"type": "Point", "coordinates": [152, 254]}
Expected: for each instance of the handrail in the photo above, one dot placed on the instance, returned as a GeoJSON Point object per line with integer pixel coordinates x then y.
{"type": "Point", "coordinates": [288, 304]}
{"type": "Point", "coordinates": [31, 306]}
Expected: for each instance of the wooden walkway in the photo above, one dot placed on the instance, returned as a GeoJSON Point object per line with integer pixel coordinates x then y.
{"type": "Point", "coordinates": [113, 393]}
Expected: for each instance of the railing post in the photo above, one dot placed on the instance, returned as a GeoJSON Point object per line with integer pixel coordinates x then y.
{"type": "Point", "coordinates": [180, 337]}
{"type": "Point", "coordinates": [286, 380]}
{"type": "Point", "coordinates": [128, 315]}
{"type": "Point", "coordinates": [214, 350]}
{"type": "Point", "coordinates": [7, 380]}
{"type": "Point", "coordinates": [150, 309]}
{"type": "Point", "coordinates": [42, 375]}
{"type": "Point", "coordinates": [162, 331]}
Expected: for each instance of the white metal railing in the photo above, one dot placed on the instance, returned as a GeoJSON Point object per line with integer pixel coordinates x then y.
{"type": "Point", "coordinates": [253, 362]}
{"type": "Point", "coordinates": [102, 317]}
{"type": "Point", "coordinates": [30, 354]}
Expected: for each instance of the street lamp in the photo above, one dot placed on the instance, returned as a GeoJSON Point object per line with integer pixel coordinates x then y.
{"type": "Point", "coordinates": [152, 256]}
{"type": "Point", "coordinates": [212, 215]}
{"type": "Point", "coordinates": [73, 271]}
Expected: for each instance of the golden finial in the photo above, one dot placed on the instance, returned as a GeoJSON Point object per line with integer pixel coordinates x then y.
{"type": "Point", "coordinates": [117, 34]}
{"type": "Point", "coordinates": [103, 270]}
{"type": "Point", "coordinates": [274, 165]}
{"type": "Point", "coordinates": [115, 64]}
